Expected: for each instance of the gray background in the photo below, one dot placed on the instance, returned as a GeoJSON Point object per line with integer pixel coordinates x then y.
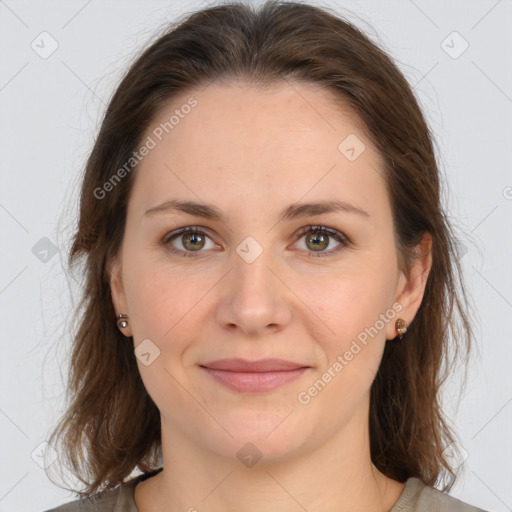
{"type": "Point", "coordinates": [50, 111]}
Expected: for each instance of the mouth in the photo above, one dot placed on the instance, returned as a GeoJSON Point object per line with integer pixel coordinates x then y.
{"type": "Point", "coordinates": [254, 376]}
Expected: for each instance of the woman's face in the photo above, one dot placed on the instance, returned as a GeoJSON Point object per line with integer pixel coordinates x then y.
{"type": "Point", "coordinates": [256, 283]}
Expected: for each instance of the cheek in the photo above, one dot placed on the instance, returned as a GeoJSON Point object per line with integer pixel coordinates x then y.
{"type": "Point", "coordinates": [151, 294]}
{"type": "Point", "coordinates": [162, 305]}
{"type": "Point", "coordinates": [349, 304]}
{"type": "Point", "coordinates": [161, 301]}
{"type": "Point", "coordinates": [353, 345]}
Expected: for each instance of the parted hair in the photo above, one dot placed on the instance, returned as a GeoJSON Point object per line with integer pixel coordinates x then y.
{"type": "Point", "coordinates": [111, 426]}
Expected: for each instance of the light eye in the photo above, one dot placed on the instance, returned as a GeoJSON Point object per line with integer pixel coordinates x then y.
{"type": "Point", "coordinates": [191, 239]}
{"type": "Point", "coordinates": [318, 238]}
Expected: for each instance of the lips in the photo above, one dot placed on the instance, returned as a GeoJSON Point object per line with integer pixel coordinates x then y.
{"type": "Point", "coordinates": [260, 376]}
{"type": "Point", "coordinates": [263, 365]}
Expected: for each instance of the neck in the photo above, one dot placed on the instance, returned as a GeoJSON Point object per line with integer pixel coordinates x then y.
{"type": "Point", "coordinates": [337, 476]}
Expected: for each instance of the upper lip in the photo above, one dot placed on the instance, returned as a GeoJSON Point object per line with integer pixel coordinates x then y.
{"type": "Point", "coordinates": [263, 365]}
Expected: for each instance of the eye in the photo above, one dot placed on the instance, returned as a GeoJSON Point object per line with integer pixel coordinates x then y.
{"type": "Point", "coordinates": [318, 238]}
{"type": "Point", "coordinates": [191, 240]}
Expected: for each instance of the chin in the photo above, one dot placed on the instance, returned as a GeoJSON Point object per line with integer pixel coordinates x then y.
{"type": "Point", "coordinates": [268, 436]}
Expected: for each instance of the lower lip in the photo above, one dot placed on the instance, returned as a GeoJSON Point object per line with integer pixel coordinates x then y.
{"type": "Point", "coordinates": [254, 382]}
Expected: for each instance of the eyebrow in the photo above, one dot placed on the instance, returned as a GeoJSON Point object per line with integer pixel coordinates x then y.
{"type": "Point", "coordinates": [292, 211]}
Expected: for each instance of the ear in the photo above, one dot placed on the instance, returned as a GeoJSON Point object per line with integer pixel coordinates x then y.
{"type": "Point", "coordinates": [117, 291]}
{"type": "Point", "coordinates": [411, 286]}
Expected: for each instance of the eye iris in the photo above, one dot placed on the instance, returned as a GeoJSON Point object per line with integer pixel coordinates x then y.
{"type": "Point", "coordinates": [193, 238]}
{"type": "Point", "coordinates": [317, 245]}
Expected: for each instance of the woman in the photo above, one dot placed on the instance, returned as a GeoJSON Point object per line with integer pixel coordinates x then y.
{"type": "Point", "coordinates": [271, 280]}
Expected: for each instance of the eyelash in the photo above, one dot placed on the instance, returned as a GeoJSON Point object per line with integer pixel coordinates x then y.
{"type": "Point", "coordinates": [323, 230]}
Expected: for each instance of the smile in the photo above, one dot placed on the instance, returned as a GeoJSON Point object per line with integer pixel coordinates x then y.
{"type": "Point", "coordinates": [254, 382]}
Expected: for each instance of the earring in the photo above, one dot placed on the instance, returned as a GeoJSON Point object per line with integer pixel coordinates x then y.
{"type": "Point", "coordinates": [122, 323]}
{"type": "Point", "coordinates": [401, 327]}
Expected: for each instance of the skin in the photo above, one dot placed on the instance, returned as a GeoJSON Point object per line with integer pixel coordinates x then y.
{"type": "Point", "coordinates": [252, 153]}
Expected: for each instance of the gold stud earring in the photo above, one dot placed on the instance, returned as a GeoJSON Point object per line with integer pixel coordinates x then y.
{"type": "Point", "coordinates": [401, 327]}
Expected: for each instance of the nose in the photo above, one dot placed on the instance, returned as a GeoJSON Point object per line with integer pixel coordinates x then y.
{"type": "Point", "coordinates": [255, 299]}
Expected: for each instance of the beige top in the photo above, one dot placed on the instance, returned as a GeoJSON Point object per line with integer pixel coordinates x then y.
{"type": "Point", "coordinates": [415, 497]}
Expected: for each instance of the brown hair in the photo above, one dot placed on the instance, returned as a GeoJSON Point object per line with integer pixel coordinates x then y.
{"type": "Point", "coordinates": [111, 426]}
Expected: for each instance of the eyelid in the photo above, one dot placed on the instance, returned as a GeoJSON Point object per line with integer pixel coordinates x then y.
{"type": "Point", "coordinates": [321, 228]}
{"type": "Point", "coordinates": [175, 234]}
{"type": "Point", "coordinates": [340, 237]}
{"type": "Point", "coordinates": [186, 229]}
{"type": "Point", "coordinates": [343, 240]}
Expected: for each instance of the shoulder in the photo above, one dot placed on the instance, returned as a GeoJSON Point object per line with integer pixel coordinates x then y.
{"type": "Point", "coordinates": [118, 499]}
{"type": "Point", "coordinates": [105, 501]}
{"type": "Point", "coordinates": [114, 500]}
{"type": "Point", "coordinates": [419, 497]}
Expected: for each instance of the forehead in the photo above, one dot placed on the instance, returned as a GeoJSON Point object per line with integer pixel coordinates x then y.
{"type": "Point", "coordinates": [262, 117]}
{"type": "Point", "coordinates": [239, 138]}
